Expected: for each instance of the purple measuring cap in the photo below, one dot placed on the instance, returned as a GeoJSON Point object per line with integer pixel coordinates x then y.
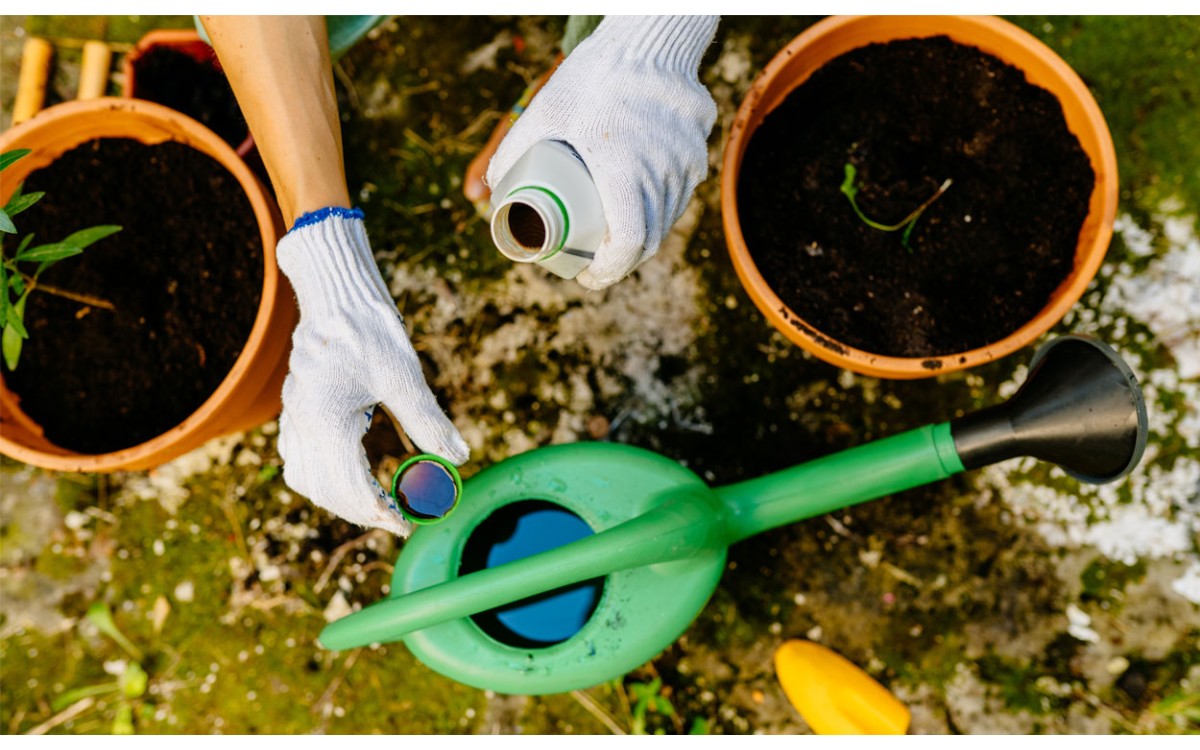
{"type": "Point", "coordinates": [426, 488]}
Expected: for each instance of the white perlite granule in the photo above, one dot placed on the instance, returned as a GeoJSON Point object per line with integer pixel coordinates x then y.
{"type": "Point", "coordinates": [617, 336]}
{"type": "Point", "coordinates": [1154, 512]}
{"type": "Point", "coordinates": [1188, 585]}
{"type": "Point", "coordinates": [1166, 295]}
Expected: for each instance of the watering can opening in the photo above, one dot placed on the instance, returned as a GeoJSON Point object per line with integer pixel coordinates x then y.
{"type": "Point", "coordinates": [516, 531]}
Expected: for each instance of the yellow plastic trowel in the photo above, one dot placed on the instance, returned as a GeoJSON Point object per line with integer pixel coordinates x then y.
{"type": "Point", "coordinates": [833, 695]}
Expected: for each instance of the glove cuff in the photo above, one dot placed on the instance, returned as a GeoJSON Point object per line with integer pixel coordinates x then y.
{"type": "Point", "coordinates": [328, 259]}
{"type": "Point", "coordinates": [674, 43]}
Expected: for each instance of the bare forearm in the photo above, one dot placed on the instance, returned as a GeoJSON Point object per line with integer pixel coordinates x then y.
{"type": "Point", "coordinates": [281, 73]}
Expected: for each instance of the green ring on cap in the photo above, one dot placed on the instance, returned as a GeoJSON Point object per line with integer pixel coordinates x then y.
{"type": "Point", "coordinates": [449, 467]}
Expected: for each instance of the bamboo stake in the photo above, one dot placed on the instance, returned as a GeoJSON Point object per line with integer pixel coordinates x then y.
{"type": "Point", "coordinates": [93, 72]}
{"type": "Point", "coordinates": [31, 83]}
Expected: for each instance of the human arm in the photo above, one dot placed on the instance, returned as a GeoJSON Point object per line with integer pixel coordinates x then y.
{"type": "Point", "coordinates": [350, 350]}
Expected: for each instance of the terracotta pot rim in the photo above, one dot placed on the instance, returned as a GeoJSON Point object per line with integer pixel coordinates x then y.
{"type": "Point", "coordinates": [1003, 40]}
{"type": "Point", "coordinates": [158, 124]}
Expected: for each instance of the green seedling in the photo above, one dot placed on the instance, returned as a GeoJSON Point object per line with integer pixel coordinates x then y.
{"type": "Point", "coordinates": [100, 616]}
{"type": "Point", "coordinates": [907, 223]}
{"type": "Point", "coordinates": [648, 697]}
{"type": "Point", "coordinates": [129, 686]}
{"type": "Point", "coordinates": [17, 281]}
{"type": "Point", "coordinates": [1182, 708]}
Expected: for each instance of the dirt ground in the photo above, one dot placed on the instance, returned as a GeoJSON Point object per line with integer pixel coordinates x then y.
{"type": "Point", "coordinates": [1008, 600]}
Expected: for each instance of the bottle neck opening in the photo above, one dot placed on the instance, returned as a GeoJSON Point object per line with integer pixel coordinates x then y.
{"type": "Point", "coordinates": [530, 225]}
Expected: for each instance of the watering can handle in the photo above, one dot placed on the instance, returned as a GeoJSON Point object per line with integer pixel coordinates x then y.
{"type": "Point", "coordinates": [686, 524]}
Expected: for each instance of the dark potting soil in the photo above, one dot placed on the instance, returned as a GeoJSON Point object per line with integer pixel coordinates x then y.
{"type": "Point", "coordinates": [184, 277]}
{"type": "Point", "coordinates": [908, 115]}
{"type": "Point", "coordinates": [194, 87]}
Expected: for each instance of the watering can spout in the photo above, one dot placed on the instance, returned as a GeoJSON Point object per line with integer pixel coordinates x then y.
{"type": "Point", "coordinates": [1080, 407]}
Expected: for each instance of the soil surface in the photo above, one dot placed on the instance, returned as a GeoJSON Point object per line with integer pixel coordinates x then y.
{"type": "Point", "coordinates": [194, 87]}
{"type": "Point", "coordinates": [981, 260]}
{"type": "Point", "coordinates": [184, 276]}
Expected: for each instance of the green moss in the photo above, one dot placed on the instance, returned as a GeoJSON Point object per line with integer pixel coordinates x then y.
{"type": "Point", "coordinates": [1017, 685]}
{"type": "Point", "coordinates": [120, 29]}
{"type": "Point", "coordinates": [1153, 129]}
{"type": "Point", "coordinates": [1105, 580]}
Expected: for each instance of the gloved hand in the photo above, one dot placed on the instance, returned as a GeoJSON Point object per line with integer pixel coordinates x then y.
{"type": "Point", "coordinates": [350, 352]}
{"type": "Point", "coordinates": [629, 101]}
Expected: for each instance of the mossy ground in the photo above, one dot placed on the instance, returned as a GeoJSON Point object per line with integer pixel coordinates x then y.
{"type": "Point", "coordinates": [951, 595]}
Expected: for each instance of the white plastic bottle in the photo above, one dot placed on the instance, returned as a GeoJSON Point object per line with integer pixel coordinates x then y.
{"type": "Point", "coordinates": [546, 210]}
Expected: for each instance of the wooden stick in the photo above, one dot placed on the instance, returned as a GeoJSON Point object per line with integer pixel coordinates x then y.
{"type": "Point", "coordinates": [93, 71]}
{"type": "Point", "coordinates": [31, 83]}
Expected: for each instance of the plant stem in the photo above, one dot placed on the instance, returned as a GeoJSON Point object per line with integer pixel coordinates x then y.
{"type": "Point", "coordinates": [907, 223]}
{"type": "Point", "coordinates": [85, 299]}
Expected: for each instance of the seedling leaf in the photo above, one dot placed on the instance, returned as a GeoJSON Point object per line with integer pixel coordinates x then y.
{"type": "Point", "coordinates": [24, 243]}
{"type": "Point", "coordinates": [11, 343]}
{"type": "Point", "coordinates": [16, 316]}
{"type": "Point", "coordinates": [6, 224]}
{"type": "Point", "coordinates": [123, 720]}
{"type": "Point", "coordinates": [75, 695]}
{"type": "Point", "coordinates": [50, 252]}
{"type": "Point", "coordinates": [102, 618]}
{"type": "Point", "coordinates": [19, 203]}
{"type": "Point", "coordinates": [849, 189]}
{"type": "Point", "coordinates": [133, 680]}
{"type": "Point", "coordinates": [85, 237]}
{"type": "Point", "coordinates": [8, 157]}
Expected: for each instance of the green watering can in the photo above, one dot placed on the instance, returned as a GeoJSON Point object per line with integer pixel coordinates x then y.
{"type": "Point", "coordinates": [629, 545]}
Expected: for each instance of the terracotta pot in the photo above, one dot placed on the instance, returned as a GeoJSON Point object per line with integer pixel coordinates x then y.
{"type": "Point", "coordinates": [1042, 67]}
{"type": "Point", "coordinates": [249, 395]}
{"type": "Point", "coordinates": [185, 41]}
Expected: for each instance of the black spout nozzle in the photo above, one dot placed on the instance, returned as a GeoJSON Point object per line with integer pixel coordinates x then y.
{"type": "Point", "coordinates": [1080, 407]}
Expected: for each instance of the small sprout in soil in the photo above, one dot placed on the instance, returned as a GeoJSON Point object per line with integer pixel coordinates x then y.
{"type": "Point", "coordinates": [16, 283]}
{"type": "Point", "coordinates": [907, 223]}
{"type": "Point", "coordinates": [128, 688]}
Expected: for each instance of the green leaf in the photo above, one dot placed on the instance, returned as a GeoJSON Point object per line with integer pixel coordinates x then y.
{"type": "Point", "coordinates": [11, 343]}
{"type": "Point", "coordinates": [19, 203]}
{"type": "Point", "coordinates": [908, 231]}
{"type": "Point", "coordinates": [4, 295]}
{"type": "Point", "coordinates": [24, 243]}
{"type": "Point", "coordinates": [85, 237]}
{"type": "Point", "coordinates": [12, 340]}
{"type": "Point", "coordinates": [8, 157]}
{"type": "Point", "coordinates": [102, 618]}
{"type": "Point", "coordinates": [133, 680]}
{"type": "Point", "coordinates": [123, 720]}
{"type": "Point", "coordinates": [50, 252]}
{"type": "Point", "coordinates": [848, 183]}
{"type": "Point", "coordinates": [16, 283]}
{"type": "Point", "coordinates": [16, 317]}
{"type": "Point", "coordinates": [77, 694]}
{"type": "Point", "coordinates": [6, 224]}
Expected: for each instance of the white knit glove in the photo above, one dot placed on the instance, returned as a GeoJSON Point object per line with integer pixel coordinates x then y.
{"type": "Point", "coordinates": [349, 353]}
{"type": "Point", "coordinates": [629, 101]}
